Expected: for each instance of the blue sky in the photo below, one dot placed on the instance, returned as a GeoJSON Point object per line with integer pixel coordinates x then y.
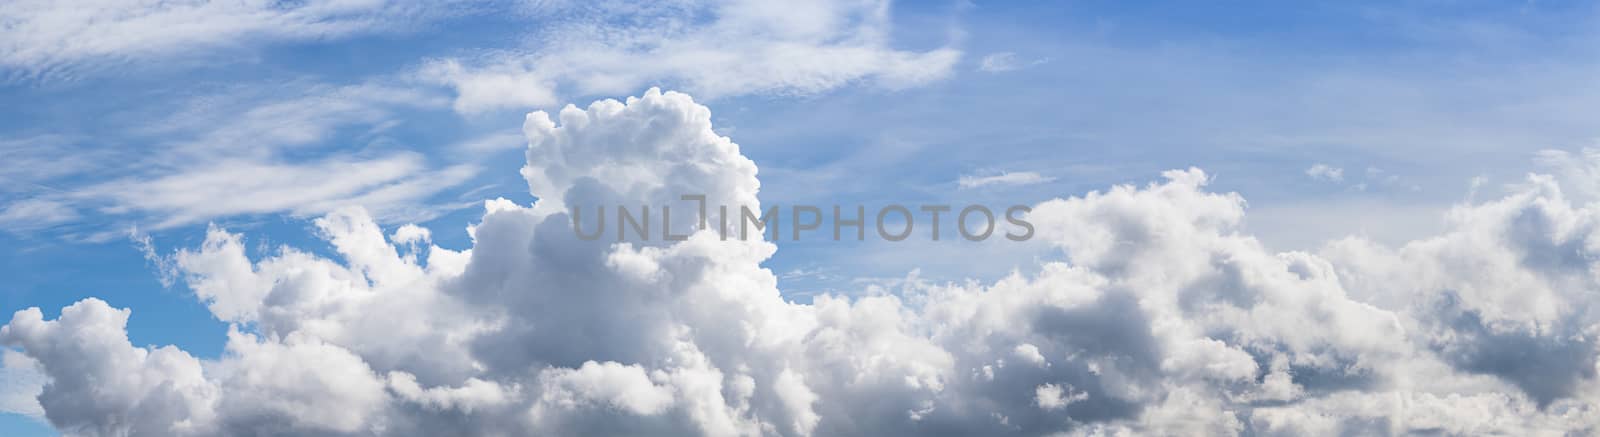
{"type": "Point", "coordinates": [260, 129]}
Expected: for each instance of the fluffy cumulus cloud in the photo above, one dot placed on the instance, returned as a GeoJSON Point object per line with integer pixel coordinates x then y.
{"type": "Point", "coordinates": [1160, 317]}
{"type": "Point", "coordinates": [710, 48]}
{"type": "Point", "coordinates": [23, 381]}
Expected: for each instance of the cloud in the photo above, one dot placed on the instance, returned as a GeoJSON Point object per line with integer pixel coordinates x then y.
{"type": "Point", "coordinates": [256, 146]}
{"type": "Point", "coordinates": [30, 214]}
{"type": "Point", "coordinates": [266, 121]}
{"type": "Point", "coordinates": [36, 166]}
{"type": "Point", "coordinates": [36, 162]}
{"type": "Point", "coordinates": [1324, 172]}
{"type": "Point", "coordinates": [102, 385]}
{"type": "Point", "coordinates": [389, 185]}
{"type": "Point", "coordinates": [23, 381]}
{"type": "Point", "coordinates": [1579, 170]}
{"type": "Point", "coordinates": [43, 38]}
{"type": "Point", "coordinates": [1007, 178]}
{"type": "Point", "coordinates": [713, 49]}
{"type": "Point", "coordinates": [1005, 61]}
{"type": "Point", "coordinates": [509, 140]}
{"type": "Point", "coordinates": [410, 234]}
{"type": "Point", "coordinates": [1159, 316]}
{"type": "Point", "coordinates": [1054, 397]}
{"type": "Point", "coordinates": [240, 152]}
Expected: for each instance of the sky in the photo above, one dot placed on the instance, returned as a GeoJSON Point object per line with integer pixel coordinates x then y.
{"type": "Point", "coordinates": [197, 198]}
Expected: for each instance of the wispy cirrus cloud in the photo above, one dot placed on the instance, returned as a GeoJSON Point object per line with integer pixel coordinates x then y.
{"type": "Point", "coordinates": [23, 381]}
{"type": "Point", "coordinates": [387, 184]}
{"type": "Point", "coordinates": [1005, 178]}
{"type": "Point", "coordinates": [300, 148]}
{"type": "Point", "coordinates": [254, 129]}
{"type": "Point", "coordinates": [50, 39]}
{"type": "Point", "coordinates": [712, 49]}
{"type": "Point", "coordinates": [35, 213]}
{"type": "Point", "coordinates": [1005, 61]}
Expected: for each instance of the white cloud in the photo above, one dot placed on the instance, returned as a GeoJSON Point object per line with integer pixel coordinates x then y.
{"type": "Point", "coordinates": [1007, 178]}
{"type": "Point", "coordinates": [391, 186]}
{"type": "Point", "coordinates": [474, 394]}
{"type": "Point", "coordinates": [43, 38]}
{"type": "Point", "coordinates": [1579, 171]}
{"type": "Point", "coordinates": [296, 382]}
{"type": "Point", "coordinates": [28, 214]}
{"type": "Point", "coordinates": [271, 141]}
{"type": "Point", "coordinates": [102, 385]}
{"type": "Point", "coordinates": [1005, 61]}
{"type": "Point", "coordinates": [34, 163]}
{"type": "Point", "coordinates": [1030, 354]}
{"type": "Point", "coordinates": [710, 48]}
{"type": "Point", "coordinates": [1055, 397]}
{"type": "Point", "coordinates": [1161, 317]}
{"type": "Point", "coordinates": [240, 152]}
{"type": "Point", "coordinates": [1324, 172]}
{"type": "Point", "coordinates": [23, 381]}
{"type": "Point", "coordinates": [606, 384]}
{"type": "Point", "coordinates": [508, 140]}
{"type": "Point", "coordinates": [410, 234]}
{"type": "Point", "coordinates": [259, 122]}
{"type": "Point", "coordinates": [998, 62]}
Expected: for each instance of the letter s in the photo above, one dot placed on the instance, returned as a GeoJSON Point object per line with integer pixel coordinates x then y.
{"type": "Point", "coordinates": [1012, 217]}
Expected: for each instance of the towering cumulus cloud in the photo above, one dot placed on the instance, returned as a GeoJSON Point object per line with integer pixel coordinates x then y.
{"type": "Point", "coordinates": [1159, 317]}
